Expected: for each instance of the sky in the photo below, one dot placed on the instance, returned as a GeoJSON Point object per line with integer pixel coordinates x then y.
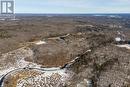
{"type": "Point", "coordinates": [72, 6]}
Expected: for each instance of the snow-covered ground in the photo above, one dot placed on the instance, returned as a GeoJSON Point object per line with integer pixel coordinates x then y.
{"type": "Point", "coordinates": [18, 61]}
{"type": "Point", "coordinates": [56, 78]}
{"type": "Point", "coordinates": [20, 64]}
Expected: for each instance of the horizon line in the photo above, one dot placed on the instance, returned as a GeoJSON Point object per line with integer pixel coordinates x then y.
{"type": "Point", "coordinates": [76, 13]}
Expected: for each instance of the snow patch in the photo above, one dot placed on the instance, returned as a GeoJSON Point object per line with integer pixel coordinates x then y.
{"type": "Point", "coordinates": [118, 39]}
{"type": "Point", "coordinates": [23, 64]}
{"type": "Point", "coordinates": [60, 72]}
{"type": "Point", "coordinates": [127, 46]}
{"type": "Point", "coordinates": [40, 42]}
{"type": "Point", "coordinates": [5, 71]}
